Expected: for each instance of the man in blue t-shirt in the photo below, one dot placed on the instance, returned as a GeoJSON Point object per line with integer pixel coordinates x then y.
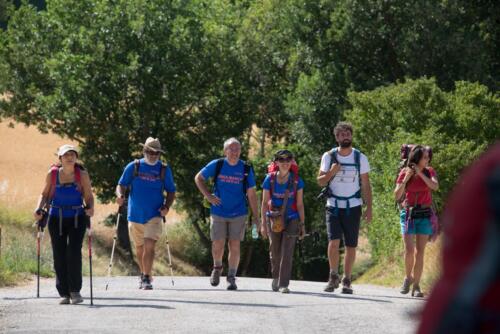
{"type": "Point", "coordinates": [148, 179]}
{"type": "Point", "coordinates": [228, 207]}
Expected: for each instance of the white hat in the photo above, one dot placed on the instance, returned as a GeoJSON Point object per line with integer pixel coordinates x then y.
{"type": "Point", "coordinates": [65, 149]}
{"type": "Point", "coordinates": [153, 144]}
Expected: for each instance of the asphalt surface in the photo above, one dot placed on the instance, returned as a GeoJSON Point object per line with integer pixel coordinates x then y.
{"type": "Point", "coordinates": [193, 306]}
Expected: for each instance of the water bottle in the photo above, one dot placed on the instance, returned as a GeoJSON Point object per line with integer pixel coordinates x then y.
{"type": "Point", "coordinates": [255, 233]}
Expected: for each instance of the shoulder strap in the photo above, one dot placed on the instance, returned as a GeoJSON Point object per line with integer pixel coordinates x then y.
{"type": "Point", "coordinates": [137, 163]}
{"type": "Point", "coordinates": [78, 178]}
{"type": "Point", "coordinates": [357, 162]}
{"type": "Point", "coordinates": [272, 181]}
{"type": "Point", "coordinates": [218, 168]}
{"type": "Point", "coordinates": [54, 174]}
{"type": "Point", "coordinates": [246, 170]}
{"type": "Point", "coordinates": [333, 156]}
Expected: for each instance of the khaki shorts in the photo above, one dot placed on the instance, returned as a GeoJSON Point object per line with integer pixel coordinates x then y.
{"type": "Point", "coordinates": [151, 230]}
{"type": "Point", "coordinates": [220, 227]}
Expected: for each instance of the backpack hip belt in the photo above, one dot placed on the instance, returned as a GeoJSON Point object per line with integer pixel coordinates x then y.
{"type": "Point", "coordinates": [67, 207]}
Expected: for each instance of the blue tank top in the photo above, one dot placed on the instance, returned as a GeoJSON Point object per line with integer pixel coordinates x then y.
{"type": "Point", "coordinates": [67, 197]}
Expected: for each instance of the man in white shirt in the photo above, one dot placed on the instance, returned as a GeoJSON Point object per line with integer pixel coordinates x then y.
{"type": "Point", "coordinates": [344, 174]}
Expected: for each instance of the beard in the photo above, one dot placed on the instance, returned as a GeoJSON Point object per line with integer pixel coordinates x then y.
{"type": "Point", "coordinates": [345, 143]}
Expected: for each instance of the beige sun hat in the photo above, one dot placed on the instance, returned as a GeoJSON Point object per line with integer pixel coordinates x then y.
{"type": "Point", "coordinates": [153, 144]}
{"type": "Point", "coordinates": [65, 149]}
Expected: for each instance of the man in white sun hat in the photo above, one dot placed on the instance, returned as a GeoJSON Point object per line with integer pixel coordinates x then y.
{"type": "Point", "coordinates": [151, 194]}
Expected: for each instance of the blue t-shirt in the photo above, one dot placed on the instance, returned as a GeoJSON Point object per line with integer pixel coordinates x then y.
{"type": "Point", "coordinates": [279, 194]}
{"type": "Point", "coordinates": [229, 188]}
{"type": "Point", "coordinates": [145, 198]}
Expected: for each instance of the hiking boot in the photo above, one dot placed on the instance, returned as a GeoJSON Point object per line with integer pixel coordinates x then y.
{"type": "Point", "coordinates": [405, 288]}
{"type": "Point", "coordinates": [284, 290]}
{"type": "Point", "coordinates": [333, 283]}
{"type": "Point", "coordinates": [346, 286]}
{"type": "Point", "coordinates": [146, 283]}
{"type": "Point", "coordinates": [274, 285]}
{"type": "Point", "coordinates": [141, 279]}
{"type": "Point", "coordinates": [231, 283]}
{"type": "Point", "coordinates": [76, 297]}
{"type": "Point", "coordinates": [415, 292]}
{"type": "Point", "coordinates": [64, 300]}
{"type": "Point", "coordinates": [215, 276]}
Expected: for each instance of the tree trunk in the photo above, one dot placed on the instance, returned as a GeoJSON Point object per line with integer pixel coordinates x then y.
{"type": "Point", "coordinates": [204, 239]}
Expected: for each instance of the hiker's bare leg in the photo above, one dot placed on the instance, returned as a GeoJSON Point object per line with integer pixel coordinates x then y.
{"type": "Point", "coordinates": [139, 252]}
{"type": "Point", "coordinates": [409, 254]}
{"type": "Point", "coordinates": [234, 253]}
{"type": "Point", "coordinates": [218, 250]}
{"type": "Point", "coordinates": [419, 256]}
{"type": "Point", "coordinates": [350, 256]}
{"type": "Point", "coordinates": [333, 254]}
{"type": "Point", "coordinates": [149, 255]}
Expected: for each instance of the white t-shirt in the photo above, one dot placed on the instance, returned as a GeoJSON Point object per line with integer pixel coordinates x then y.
{"type": "Point", "coordinates": [346, 182]}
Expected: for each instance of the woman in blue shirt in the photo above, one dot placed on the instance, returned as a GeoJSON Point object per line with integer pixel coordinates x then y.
{"type": "Point", "coordinates": [282, 204]}
{"type": "Point", "coordinates": [68, 196]}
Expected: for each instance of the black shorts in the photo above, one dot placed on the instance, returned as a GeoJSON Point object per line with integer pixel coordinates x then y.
{"type": "Point", "coordinates": [339, 223]}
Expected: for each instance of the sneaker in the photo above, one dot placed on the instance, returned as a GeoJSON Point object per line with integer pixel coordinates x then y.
{"type": "Point", "coordinates": [415, 292]}
{"type": "Point", "coordinates": [274, 285]}
{"type": "Point", "coordinates": [215, 276]}
{"type": "Point", "coordinates": [76, 297]}
{"type": "Point", "coordinates": [346, 286]}
{"type": "Point", "coordinates": [231, 283]}
{"type": "Point", "coordinates": [64, 300]}
{"type": "Point", "coordinates": [333, 283]}
{"type": "Point", "coordinates": [405, 288]}
{"type": "Point", "coordinates": [141, 279]}
{"type": "Point", "coordinates": [146, 283]}
{"type": "Point", "coordinates": [284, 290]}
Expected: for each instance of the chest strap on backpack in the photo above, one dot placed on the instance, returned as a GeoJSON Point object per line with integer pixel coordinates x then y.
{"type": "Point", "coordinates": [357, 163]}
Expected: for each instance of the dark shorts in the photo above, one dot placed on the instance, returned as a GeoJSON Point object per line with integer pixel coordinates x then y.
{"type": "Point", "coordinates": [339, 223]}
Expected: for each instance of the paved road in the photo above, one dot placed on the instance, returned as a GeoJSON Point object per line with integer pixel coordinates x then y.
{"type": "Point", "coordinates": [193, 306]}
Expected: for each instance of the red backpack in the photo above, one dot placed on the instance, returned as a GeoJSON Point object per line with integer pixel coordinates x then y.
{"type": "Point", "coordinates": [466, 299]}
{"type": "Point", "coordinates": [272, 170]}
{"type": "Point", "coordinates": [54, 173]}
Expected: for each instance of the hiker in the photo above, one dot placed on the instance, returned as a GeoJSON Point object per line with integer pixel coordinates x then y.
{"type": "Point", "coordinates": [147, 179]}
{"type": "Point", "coordinates": [67, 195]}
{"type": "Point", "coordinates": [416, 182]}
{"type": "Point", "coordinates": [282, 214]}
{"type": "Point", "coordinates": [344, 176]}
{"type": "Point", "coordinates": [234, 182]}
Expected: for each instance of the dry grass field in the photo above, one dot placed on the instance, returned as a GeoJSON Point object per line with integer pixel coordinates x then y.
{"type": "Point", "coordinates": [25, 157]}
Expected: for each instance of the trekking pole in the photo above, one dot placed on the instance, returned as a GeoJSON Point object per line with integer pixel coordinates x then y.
{"type": "Point", "coordinates": [115, 237]}
{"type": "Point", "coordinates": [89, 234]}
{"type": "Point", "coordinates": [39, 238]}
{"type": "Point", "coordinates": [169, 255]}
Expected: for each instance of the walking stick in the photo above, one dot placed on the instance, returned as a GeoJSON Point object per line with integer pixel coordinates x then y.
{"type": "Point", "coordinates": [115, 237]}
{"type": "Point", "coordinates": [169, 255]}
{"type": "Point", "coordinates": [39, 236]}
{"type": "Point", "coordinates": [89, 234]}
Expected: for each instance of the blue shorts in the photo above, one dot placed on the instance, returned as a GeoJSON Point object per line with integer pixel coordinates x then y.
{"type": "Point", "coordinates": [415, 226]}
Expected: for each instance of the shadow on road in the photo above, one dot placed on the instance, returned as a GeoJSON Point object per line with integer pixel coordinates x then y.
{"type": "Point", "coordinates": [329, 295]}
{"type": "Point", "coordinates": [193, 302]}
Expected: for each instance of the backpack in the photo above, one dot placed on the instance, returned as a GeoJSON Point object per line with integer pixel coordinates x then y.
{"type": "Point", "coordinates": [357, 163]}
{"type": "Point", "coordinates": [54, 173]}
{"type": "Point", "coordinates": [246, 170]}
{"type": "Point", "coordinates": [272, 170]}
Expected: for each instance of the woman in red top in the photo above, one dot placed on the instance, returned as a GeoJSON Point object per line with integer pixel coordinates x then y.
{"type": "Point", "coordinates": [416, 183]}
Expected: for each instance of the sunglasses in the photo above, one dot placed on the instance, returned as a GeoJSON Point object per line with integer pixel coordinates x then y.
{"type": "Point", "coordinates": [151, 152]}
{"type": "Point", "coordinates": [284, 159]}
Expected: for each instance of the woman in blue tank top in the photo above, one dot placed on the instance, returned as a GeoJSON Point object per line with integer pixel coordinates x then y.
{"type": "Point", "coordinates": [68, 196]}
